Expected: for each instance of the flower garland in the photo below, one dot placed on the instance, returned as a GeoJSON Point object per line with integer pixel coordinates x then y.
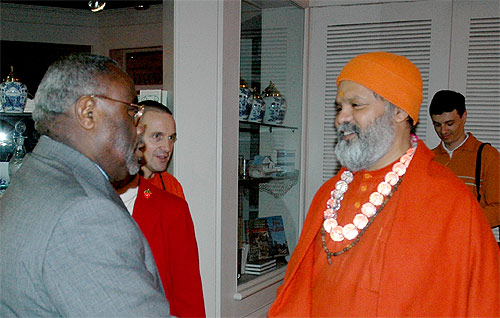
{"type": "Point", "coordinates": [369, 210]}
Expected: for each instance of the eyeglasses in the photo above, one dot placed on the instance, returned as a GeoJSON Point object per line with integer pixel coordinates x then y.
{"type": "Point", "coordinates": [135, 111]}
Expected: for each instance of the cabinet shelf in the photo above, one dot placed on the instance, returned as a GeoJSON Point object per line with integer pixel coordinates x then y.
{"type": "Point", "coordinates": [251, 127]}
{"type": "Point", "coordinates": [4, 114]}
{"type": "Point", "coordinates": [251, 181]}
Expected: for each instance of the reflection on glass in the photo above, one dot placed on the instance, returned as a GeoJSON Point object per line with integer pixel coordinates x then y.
{"type": "Point", "coordinates": [271, 48]}
{"type": "Point", "coordinates": [19, 153]}
{"type": "Point", "coordinates": [6, 142]}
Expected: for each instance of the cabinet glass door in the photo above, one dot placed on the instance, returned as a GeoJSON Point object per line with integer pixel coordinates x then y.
{"type": "Point", "coordinates": [270, 130]}
{"type": "Point", "coordinates": [16, 129]}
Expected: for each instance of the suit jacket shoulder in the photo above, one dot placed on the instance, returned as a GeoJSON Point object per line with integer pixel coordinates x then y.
{"type": "Point", "coordinates": [63, 223]}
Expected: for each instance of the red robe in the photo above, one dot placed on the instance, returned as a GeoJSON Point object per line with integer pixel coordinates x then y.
{"type": "Point", "coordinates": [166, 181]}
{"type": "Point", "coordinates": [165, 221]}
{"type": "Point", "coordinates": [429, 253]}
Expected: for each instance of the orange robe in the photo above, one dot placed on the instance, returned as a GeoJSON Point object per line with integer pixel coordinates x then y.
{"type": "Point", "coordinates": [167, 182]}
{"type": "Point", "coordinates": [429, 253]}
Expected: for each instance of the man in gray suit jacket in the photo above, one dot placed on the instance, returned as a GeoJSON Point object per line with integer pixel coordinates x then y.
{"type": "Point", "coordinates": [68, 246]}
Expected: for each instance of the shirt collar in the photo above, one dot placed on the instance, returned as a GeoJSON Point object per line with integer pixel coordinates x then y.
{"type": "Point", "coordinates": [450, 152]}
{"type": "Point", "coordinates": [102, 171]}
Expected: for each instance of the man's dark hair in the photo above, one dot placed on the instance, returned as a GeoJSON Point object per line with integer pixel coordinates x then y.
{"type": "Point", "coordinates": [154, 105]}
{"type": "Point", "coordinates": [446, 101]}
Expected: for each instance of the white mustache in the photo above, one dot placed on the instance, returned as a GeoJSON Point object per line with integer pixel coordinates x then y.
{"type": "Point", "coordinates": [347, 128]}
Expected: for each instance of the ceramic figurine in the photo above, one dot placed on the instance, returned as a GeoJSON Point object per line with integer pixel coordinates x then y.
{"type": "Point", "coordinates": [245, 104]}
{"type": "Point", "coordinates": [13, 94]}
{"type": "Point", "coordinates": [275, 105]}
{"type": "Point", "coordinates": [258, 108]}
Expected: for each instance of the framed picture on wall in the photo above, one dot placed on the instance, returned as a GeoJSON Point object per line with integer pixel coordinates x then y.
{"type": "Point", "coordinates": [144, 65]}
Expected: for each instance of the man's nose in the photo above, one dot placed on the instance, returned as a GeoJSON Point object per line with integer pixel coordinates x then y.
{"type": "Point", "coordinates": [168, 145]}
{"type": "Point", "coordinates": [343, 116]}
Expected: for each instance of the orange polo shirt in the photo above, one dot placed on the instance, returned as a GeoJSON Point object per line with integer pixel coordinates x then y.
{"type": "Point", "coordinates": [429, 253]}
{"type": "Point", "coordinates": [463, 164]}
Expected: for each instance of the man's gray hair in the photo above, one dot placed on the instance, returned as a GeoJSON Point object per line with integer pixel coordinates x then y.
{"type": "Point", "coordinates": [67, 80]}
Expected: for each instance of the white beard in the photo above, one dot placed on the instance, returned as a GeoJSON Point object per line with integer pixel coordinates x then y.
{"type": "Point", "coordinates": [371, 144]}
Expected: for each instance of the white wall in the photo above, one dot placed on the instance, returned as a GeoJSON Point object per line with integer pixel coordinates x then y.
{"type": "Point", "coordinates": [112, 29]}
{"type": "Point", "coordinates": [46, 24]}
{"type": "Point", "coordinates": [206, 60]}
{"type": "Point", "coordinates": [130, 28]}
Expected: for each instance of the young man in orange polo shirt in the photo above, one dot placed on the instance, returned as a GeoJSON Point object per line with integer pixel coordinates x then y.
{"type": "Point", "coordinates": [458, 151]}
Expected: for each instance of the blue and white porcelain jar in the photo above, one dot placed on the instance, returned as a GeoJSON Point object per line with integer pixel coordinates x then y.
{"type": "Point", "coordinates": [258, 108]}
{"type": "Point", "coordinates": [13, 94]}
{"type": "Point", "coordinates": [275, 106]}
{"type": "Point", "coordinates": [245, 104]}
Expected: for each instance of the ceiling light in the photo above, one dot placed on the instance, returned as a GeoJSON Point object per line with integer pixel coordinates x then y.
{"type": "Point", "coordinates": [141, 7]}
{"type": "Point", "coordinates": [96, 6]}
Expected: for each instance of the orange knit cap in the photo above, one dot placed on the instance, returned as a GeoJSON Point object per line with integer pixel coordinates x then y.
{"type": "Point", "coordinates": [389, 75]}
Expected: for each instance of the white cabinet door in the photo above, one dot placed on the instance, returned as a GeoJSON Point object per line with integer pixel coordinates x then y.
{"type": "Point", "coordinates": [475, 65]}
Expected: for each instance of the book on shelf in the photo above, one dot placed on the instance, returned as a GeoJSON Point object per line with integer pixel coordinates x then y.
{"type": "Point", "coordinates": [241, 232]}
{"type": "Point", "coordinates": [244, 256]}
{"type": "Point", "coordinates": [266, 238]}
{"type": "Point", "coordinates": [253, 272]}
{"type": "Point", "coordinates": [259, 240]}
{"type": "Point", "coordinates": [261, 264]}
{"type": "Point", "coordinates": [260, 270]}
{"type": "Point", "coordinates": [260, 267]}
{"type": "Point", "coordinates": [279, 244]}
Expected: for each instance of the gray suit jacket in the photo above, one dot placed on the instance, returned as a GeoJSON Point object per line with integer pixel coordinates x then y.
{"type": "Point", "coordinates": [68, 246]}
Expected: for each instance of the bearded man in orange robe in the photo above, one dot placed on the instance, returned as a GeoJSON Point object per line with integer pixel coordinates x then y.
{"type": "Point", "coordinates": [394, 233]}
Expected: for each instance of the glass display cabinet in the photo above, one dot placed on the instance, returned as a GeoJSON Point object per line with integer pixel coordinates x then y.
{"type": "Point", "coordinates": [270, 134]}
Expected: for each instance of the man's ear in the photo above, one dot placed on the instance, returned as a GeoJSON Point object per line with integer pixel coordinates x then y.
{"type": "Point", "coordinates": [85, 108]}
{"type": "Point", "coordinates": [400, 115]}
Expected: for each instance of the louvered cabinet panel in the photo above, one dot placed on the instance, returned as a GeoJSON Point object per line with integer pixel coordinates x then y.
{"type": "Point", "coordinates": [475, 65]}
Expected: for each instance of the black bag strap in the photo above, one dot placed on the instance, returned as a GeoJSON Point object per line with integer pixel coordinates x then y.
{"type": "Point", "coordinates": [478, 169]}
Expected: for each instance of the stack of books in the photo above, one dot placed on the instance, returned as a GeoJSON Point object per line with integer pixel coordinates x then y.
{"type": "Point", "coordinates": [260, 267]}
